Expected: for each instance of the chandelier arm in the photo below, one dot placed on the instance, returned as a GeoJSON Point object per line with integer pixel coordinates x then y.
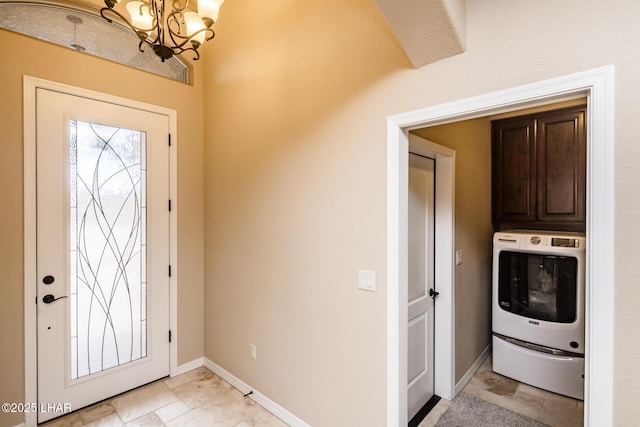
{"type": "Point", "coordinates": [141, 43]}
{"type": "Point", "coordinates": [178, 7]}
{"type": "Point", "coordinates": [158, 14]}
{"type": "Point", "coordinates": [175, 18]}
{"type": "Point", "coordinates": [194, 49]}
{"type": "Point", "coordinates": [142, 35]}
{"type": "Point", "coordinates": [174, 29]}
{"type": "Point", "coordinates": [209, 37]}
{"type": "Point", "coordinates": [179, 44]}
{"type": "Point", "coordinates": [197, 54]}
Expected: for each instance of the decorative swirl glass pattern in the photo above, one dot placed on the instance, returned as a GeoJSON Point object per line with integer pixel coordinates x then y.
{"type": "Point", "coordinates": [108, 247]}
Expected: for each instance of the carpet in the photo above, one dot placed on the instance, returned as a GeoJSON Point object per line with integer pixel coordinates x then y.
{"type": "Point", "coordinates": [470, 411]}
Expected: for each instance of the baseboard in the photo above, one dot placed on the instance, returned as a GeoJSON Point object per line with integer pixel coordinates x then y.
{"type": "Point", "coordinates": [472, 370]}
{"type": "Point", "coordinates": [189, 366]}
{"type": "Point", "coordinates": [20, 425]}
{"type": "Point", "coordinates": [256, 396]}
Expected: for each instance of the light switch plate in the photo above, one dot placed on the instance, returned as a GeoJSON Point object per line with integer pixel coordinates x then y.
{"type": "Point", "coordinates": [367, 280]}
{"type": "Point", "coordinates": [458, 257]}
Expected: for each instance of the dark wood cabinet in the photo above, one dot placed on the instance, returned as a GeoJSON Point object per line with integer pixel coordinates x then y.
{"type": "Point", "coordinates": [539, 170]}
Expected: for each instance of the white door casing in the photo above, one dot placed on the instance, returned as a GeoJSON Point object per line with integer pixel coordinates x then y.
{"type": "Point", "coordinates": [48, 377]}
{"type": "Point", "coordinates": [421, 281]}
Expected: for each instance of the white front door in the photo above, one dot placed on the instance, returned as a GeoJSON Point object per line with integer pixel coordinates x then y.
{"type": "Point", "coordinates": [102, 249]}
{"type": "Point", "coordinates": [421, 278]}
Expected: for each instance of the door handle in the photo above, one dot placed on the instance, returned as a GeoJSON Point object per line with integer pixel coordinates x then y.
{"type": "Point", "coordinates": [48, 299]}
{"type": "Point", "coordinates": [433, 294]}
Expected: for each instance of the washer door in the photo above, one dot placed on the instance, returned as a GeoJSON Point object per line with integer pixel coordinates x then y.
{"type": "Point", "coordinates": [538, 286]}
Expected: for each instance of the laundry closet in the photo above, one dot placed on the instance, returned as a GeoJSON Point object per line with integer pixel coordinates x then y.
{"type": "Point", "coordinates": [539, 246]}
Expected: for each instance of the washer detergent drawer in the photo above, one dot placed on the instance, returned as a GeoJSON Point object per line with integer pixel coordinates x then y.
{"type": "Point", "coordinates": [559, 374]}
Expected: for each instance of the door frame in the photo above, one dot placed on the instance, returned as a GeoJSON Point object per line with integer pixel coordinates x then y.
{"type": "Point", "coordinates": [597, 86]}
{"type": "Point", "coordinates": [30, 84]}
{"type": "Point", "coordinates": [444, 266]}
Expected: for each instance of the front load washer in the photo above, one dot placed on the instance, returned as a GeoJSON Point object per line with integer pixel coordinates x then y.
{"type": "Point", "coordinates": [538, 309]}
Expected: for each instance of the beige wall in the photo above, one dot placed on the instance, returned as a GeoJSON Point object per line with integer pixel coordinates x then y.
{"type": "Point", "coordinates": [296, 99]}
{"type": "Point", "coordinates": [39, 59]}
{"type": "Point", "coordinates": [471, 140]}
{"type": "Point", "coordinates": [295, 204]}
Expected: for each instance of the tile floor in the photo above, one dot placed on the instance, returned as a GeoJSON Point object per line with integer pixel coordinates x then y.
{"type": "Point", "coordinates": [546, 407]}
{"type": "Point", "coordinates": [201, 398]}
{"type": "Point", "coordinates": [197, 398]}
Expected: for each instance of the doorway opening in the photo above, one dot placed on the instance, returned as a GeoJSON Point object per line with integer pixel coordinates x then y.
{"type": "Point", "coordinates": [597, 87]}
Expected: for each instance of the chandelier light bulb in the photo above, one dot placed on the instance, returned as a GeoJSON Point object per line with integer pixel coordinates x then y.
{"type": "Point", "coordinates": [194, 24]}
{"type": "Point", "coordinates": [140, 16]}
{"type": "Point", "coordinates": [209, 9]}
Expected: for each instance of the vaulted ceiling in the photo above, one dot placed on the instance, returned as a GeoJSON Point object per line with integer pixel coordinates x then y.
{"type": "Point", "coordinates": [428, 30]}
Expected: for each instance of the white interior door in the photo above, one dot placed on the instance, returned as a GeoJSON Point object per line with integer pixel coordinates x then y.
{"type": "Point", "coordinates": [102, 249]}
{"type": "Point", "coordinates": [421, 278]}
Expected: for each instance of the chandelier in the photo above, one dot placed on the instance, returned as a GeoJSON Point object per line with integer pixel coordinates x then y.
{"type": "Point", "coordinates": [168, 32]}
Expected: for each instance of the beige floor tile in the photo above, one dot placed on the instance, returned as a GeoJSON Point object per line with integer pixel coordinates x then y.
{"type": "Point", "coordinates": [568, 418]}
{"type": "Point", "coordinates": [96, 412]}
{"type": "Point", "coordinates": [149, 420]}
{"type": "Point", "coordinates": [142, 401]}
{"type": "Point", "coordinates": [529, 399]}
{"type": "Point", "coordinates": [203, 415]}
{"type": "Point", "coordinates": [200, 391]}
{"type": "Point", "coordinates": [109, 421]}
{"type": "Point", "coordinates": [208, 400]}
{"type": "Point", "coordinates": [557, 402]}
{"type": "Point", "coordinates": [172, 410]}
{"type": "Point", "coordinates": [534, 391]}
{"type": "Point", "coordinates": [231, 404]}
{"type": "Point", "coordinates": [201, 373]}
{"type": "Point", "coordinates": [266, 419]}
{"type": "Point", "coordinates": [177, 380]}
{"type": "Point", "coordinates": [562, 411]}
{"type": "Point", "coordinates": [71, 420]}
{"type": "Point", "coordinates": [487, 364]}
{"type": "Point", "coordinates": [500, 385]}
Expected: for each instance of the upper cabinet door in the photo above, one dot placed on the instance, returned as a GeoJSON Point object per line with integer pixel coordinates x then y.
{"type": "Point", "coordinates": [561, 166]}
{"type": "Point", "coordinates": [539, 170]}
{"type": "Point", "coordinates": [513, 170]}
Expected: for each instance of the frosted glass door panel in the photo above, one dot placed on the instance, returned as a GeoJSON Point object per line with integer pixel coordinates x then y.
{"type": "Point", "coordinates": [107, 222]}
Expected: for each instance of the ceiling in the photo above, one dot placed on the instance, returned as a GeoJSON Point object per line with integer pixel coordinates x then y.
{"type": "Point", "coordinates": [427, 30]}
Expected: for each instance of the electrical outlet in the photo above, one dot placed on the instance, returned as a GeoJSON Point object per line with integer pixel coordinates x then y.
{"type": "Point", "coordinates": [458, 257]}
{"type": "Point", "coordinates": [253, 352]}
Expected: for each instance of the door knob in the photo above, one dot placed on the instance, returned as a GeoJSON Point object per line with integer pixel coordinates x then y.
{"type": "Point", "coordinates": [48, 299]}
{"type": "Point", "coordinates": [433, 294]}
{"type": "Point", "coordinates": [47, 280]}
